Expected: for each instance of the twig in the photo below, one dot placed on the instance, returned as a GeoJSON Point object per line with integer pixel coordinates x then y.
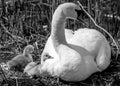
{"type": "Point", "coordinates": [45, 14]}
{"type": "Point", "coordinates": [16, 81]}
{"type": "Point", "coordinates": [6, 52]}
{"type": "Point", "coordinates": [3, 74]}
{"type": "Point", "coordinates": [38, 1]}
{"type": "Point", "coordinates": [84, 23]}
{"type": "Point", "coordinates": [11, 35]}
{"type": "Point", "coordinates": [45, 4]}
{"type": "Point", "coordinates": [100, 27]}
{"type": "Point", "coordinates": [7, 31]}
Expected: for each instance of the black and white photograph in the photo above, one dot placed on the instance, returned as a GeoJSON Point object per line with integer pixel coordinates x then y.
{"type": "Point", "coordinates": [59, 42]}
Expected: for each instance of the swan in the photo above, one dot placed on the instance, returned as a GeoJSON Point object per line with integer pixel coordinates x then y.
{"type": "Point", "coordinates": [49, 47]}
{"type": "Point", "coordinates": [31, 68]}
{"type": "Point", "coordinates": [21, 60]}
{"type": "Point", "coordinates": [75, 55]}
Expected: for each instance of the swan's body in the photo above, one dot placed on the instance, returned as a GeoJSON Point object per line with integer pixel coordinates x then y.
{"type": "Point", "coordinates": [68, 34]}
{"type": "Point", "coordinates": [31, 68]}
{"type": "Point", "coordinates": [90, 44]}
{"type": "Point", "coordinates": [75, 55]}
{"type": "Point", "coordinates": [21, 60]}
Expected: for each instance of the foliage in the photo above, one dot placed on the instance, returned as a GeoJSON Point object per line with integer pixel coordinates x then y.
{"type": "Point", "coordinates": [25, 22]}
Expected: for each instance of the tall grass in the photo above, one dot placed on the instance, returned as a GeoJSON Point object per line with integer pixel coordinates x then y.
{"type": "Point", "coordinates": [22, 22]}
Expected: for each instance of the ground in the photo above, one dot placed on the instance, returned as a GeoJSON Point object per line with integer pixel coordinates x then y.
{"type": "Point", "coordinates": [108, 77]}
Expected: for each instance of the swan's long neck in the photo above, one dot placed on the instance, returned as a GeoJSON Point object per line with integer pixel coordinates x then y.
{"type": "Point", "coordinates": [58, 25]}
{"type": "Point", "coordinates": [26, 53]}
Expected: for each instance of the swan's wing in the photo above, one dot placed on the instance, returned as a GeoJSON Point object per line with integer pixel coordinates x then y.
{"type": "Point", "coordinates": [103, 57]}
{"type": "Point", "coordinates": [68, 34]}
{"type": "Point", "coordinates": [49, 50]}
{"type": "Point", "coordinates": [89, 39]}
{"type": "Point", "coordinates": [95, 43]}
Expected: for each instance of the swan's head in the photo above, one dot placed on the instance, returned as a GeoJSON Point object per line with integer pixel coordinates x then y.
{"type": "Point", "coordinates": [28, 49]}
{"type": "Point", "coordinates": [71, 10]}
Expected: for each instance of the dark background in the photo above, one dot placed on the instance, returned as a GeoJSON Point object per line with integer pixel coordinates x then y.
{"type": "Point", "coordinates": [25, 22]}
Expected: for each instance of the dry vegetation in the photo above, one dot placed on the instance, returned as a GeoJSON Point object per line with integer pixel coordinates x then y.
{"type": "Point", "coordinates": [24, 22]}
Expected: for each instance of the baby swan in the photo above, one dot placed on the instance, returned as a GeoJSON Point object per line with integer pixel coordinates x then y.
{"type": "Point", "coordinates": [20, 61]}
{"type": "Point", "coordinates": [31, 69]}
{"type": "Point", "coordinates": [75, 58]}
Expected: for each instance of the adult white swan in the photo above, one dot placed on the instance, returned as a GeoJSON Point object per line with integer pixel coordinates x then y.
{"type": "Point", "coordinates": [75, 56]}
